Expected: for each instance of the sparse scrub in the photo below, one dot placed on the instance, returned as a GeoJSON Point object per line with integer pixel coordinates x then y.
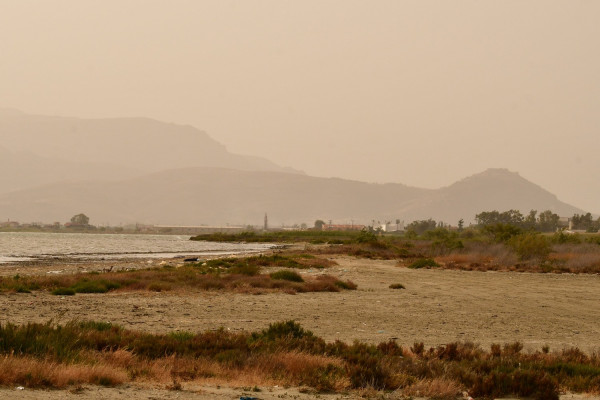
{"type": "Point", "coordinates": [52, 356]}
{"type": "Point", "coordinates": [424, 263]}
{"type": "Point", "coordinates": [530, 246]}
{"type": "Point", "coordinates": [308, 236]}
{"type": "Point", "coordinates": [397, 286]}
{"type": "Point", "coordinates": [235, 274]}
{"type": "Point", "coordinates": [347, 285]}
{"type": "Point", "coordinates": [287, 275]}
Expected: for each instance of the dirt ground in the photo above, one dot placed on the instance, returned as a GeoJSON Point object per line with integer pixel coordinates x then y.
{"type": "Point", "coordinates": [437, 307]}
{"type": "Point", "coordinates": [196, 392]}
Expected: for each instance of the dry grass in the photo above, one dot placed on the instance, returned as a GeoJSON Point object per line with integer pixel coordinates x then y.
{"type": "Point", "coordinates": [239, 275]}
{"type": "Point", "coordinates": [36, 373]}
{"type": "Point", "coordinates": [576, 257]}
{"type": "Point", "coordinates": [437, 388]}
{"type": "Point", "coordinates": [120, 366]}
{"type": "Point", "coordinates": [479, 256]}
{"type": "Point", "coordinates": [78, 353]}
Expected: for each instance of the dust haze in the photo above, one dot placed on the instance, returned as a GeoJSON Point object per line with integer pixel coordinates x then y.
{"type": "Point", "coordinates": [422, 93]}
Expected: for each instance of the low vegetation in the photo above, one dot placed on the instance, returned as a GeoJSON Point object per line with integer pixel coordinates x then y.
{"type": "Point", "coordinates": [501, 245]}
{"type": "Point", "coordinates": [294, 236]}
{"type": "Point", "coordinates": [53, 356]}
{"type": "Point", "coordinates": [232, 274]}
{"type": "Point", "coordinates": [424, 263]}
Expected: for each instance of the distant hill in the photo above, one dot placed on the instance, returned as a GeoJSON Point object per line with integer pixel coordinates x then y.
{"type": "Point", "coordinates": [24, 170]}
{"type": "Point", "coordinates": [193, 196]}
{"type": "Point", "coordinates": [493, 189]}
{"type": "Point", "coordinates": [127, 145]}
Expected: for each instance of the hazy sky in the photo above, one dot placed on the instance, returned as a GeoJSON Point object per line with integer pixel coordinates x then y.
{"type": "Point", "coordinates": [418, 92]}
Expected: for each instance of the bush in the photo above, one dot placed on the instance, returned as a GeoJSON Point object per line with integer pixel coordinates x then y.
{"type": "Point", "coordinates": [562, 238]}
{"type": "Point", "coordinates": [159, 287]}
{"type": "Point", "coordinates": [101, 286]}
{"type": "Point", "coordinates": [63, 292]}
{"type": "Point", "coordinates": [502, 233]}
{"type": "Point", "coordinates": [347, 285]}
{"type": "Point", "coordinates": [397, 286]}
{"type": "Point", "coordinates": [366, 236]}
{"type": "Point", "coordinates": [530, 246]}
{"type": "Point", "coordinates": [283, 330]}
{"type": "Point", "coordinates": [424, 263]}
{"type": "Point", "coordinates": [287, 275]}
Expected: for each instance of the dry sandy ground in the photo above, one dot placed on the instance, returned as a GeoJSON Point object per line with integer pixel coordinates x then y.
{"type": "Point", "coordinates": [203, 393]}
{"type": "Point", "coordinates": [437, 307]}
{"type": "Point", "coordinates": [189, 392]}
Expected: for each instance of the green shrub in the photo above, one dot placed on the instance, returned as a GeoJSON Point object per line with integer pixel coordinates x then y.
{"type": "Point", "coordinates": [159, 287]}
{"type": "Point", "coordinates": [63, 292]}
{"type": "Point", "coordinates": [562, 238]}
{"type": "Point", "coordinates": [283, 330]}
{"type": "Point", "coordinates": [502, 233]}
{"type": "Point", "coordinates": [424, 263]}
{"type": "Point", "coordinates": [593, 239]}
{"type": "Point", "coordinates": [347, 285]}
{"type": "Point", "coordinates": [287, 275]}
{"type": "Point", "coordinates": [530, 246]}
{"type": "Point", "coordinates": [100, 286]}
{"type": "Point", "coordinates": [366, 236]}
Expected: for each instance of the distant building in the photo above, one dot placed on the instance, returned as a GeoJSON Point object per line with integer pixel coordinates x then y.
{"type": "Point", "coordinates": [199, 229]}
{"type": "Point", "coordinates": [352, 227]}
{"type": "Point", "coordinates": [9, 224]}
{"type": "Point", "coordinates": [389, 227]}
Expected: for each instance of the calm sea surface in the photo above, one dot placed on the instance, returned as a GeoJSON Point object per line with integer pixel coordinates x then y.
{"type": "Point", "coordinates": [26, 246]}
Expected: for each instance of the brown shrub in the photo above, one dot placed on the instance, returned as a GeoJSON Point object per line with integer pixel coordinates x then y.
{"type": "Point", "coordinates": [437, 388]}
{"type": "Point", "coordinates": [30, 372]}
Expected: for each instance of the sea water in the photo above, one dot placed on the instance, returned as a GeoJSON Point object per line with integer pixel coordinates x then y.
{"type": "Point", "coordinates": [23, 246]}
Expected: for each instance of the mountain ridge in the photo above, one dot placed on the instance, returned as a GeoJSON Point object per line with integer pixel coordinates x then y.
{"type": "Point", "coordinates": [134, 143]}
{"type": "Point", "coordinates": [201, 195]}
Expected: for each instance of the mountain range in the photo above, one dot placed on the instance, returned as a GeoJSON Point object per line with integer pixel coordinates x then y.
{"type": "Point", "coordinates": [128, 170]}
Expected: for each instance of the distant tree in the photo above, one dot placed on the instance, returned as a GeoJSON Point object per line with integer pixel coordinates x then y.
{"type": "Point", "coordinates": [530, 221]}
{"type": "Point", "coordinates": [303, 226]}
{"type": "Point", "coordinates": [511, 217]}
{"type": "Point", "coordinates": [319, 225]}
{"type": "Point", "coordinates": [584, 222]}
{"type": "Point", "coordinates": [502, 232]}
{"type": "Point", "coordinates": [547, 221]}
{"type": "Point", "coordinates": [80, 219]}
{"type": "Point", "coordinates": [461, 224]}
{"type": "Point", "coordinates": [422, 226]}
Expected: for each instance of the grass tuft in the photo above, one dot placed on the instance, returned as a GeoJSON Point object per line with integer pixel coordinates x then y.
{"type": "Point", "coordinates": [397, 286]}
{"type": "Point", "coordinates": [287, 275]}
{"type": "Point", "coordinates": [424, 263]}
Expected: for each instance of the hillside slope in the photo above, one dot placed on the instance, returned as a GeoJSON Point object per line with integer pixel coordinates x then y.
{"type": "Point", "coordinates": [219, 196]}
{"type": "Point", "coordinates": [493, 189]}
{"type": "Point", "coordinates": [133, 144]}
